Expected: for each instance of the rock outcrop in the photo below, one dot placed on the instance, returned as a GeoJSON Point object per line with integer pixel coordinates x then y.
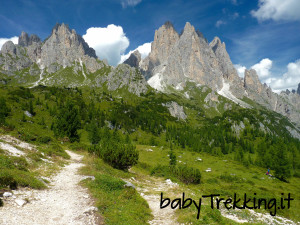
{"type": "Point", "coordinates": [64, 47]}
{"type": "Point", "coordinates": [176, 59]}
{"type": "Point", "coordinates": [176, 110]}
{"type": "Point", "coordinates": [134, 59]}
{"type": "Point", "coordinates": [124, 76]}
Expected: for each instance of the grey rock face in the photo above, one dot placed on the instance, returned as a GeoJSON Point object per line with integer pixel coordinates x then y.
{"type": "Point", "coordinates": [134, 59]}
{"type": "Point", "coordinates": [298, 90]}
{"type": "Point", "coordinates": [164, 39]}
{"type": "Point", "coordinates": [176, 110]}
{"type": "Point", "coordinates": [13, 57]}
{"type": "Point", "coordinates": [287, 103]}
{"type": "Point", "coordinates": [9, 48]}
{"type": "Point", "coordinates": [175, 59]}
{"type": "Point", "coordinates": [228, 70]}
{"type": "Point", "coordinates": [23, 39]}
{"type": "Point", "coordinates": [64, 46]}
{"type": "Point", "coordinates": [124, 76]}
{"type": "Point", "coordinates": [180, 58]}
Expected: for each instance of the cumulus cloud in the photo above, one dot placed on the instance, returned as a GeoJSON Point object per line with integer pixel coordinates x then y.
{"type": "Point", "coordinates": [287, 10]}
{"type": "Point", "coordinates": [263, 68]}
{"type": "Point", "coordinates": [220, 22]}
{"type": "Point", "coordinates": [13, 39]}
{"type": "Point", "coordinates": [144, 49]}
{"type": "Point", "coordinates": [289, 80]}
{"type": "Point", "coordinates": [126, 3]}
{"type": "Point", "coordinates": [109, 42]}
{"type": "Point", "coordinates": [240, 69]}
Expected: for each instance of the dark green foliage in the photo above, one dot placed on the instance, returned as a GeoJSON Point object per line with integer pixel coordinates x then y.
{"type": "Point", "coordinates": [116, 150]}
{"type": "Point", "coordinates": [4, 111]}
{"type": "Point", "coordinates": [187, 175]}
{"type": "Point", "coordinates": [67, 122]}
{"type": "Point", "coordinates": [109, 183]}
{"type": "Point", "coordinates": [281, 164]}
{"type": "Point", "coordinates": [172, 158]}
{"type": "Point", "coordinates": [14, 177]}
{"type": "Point", "coordinates": [55, 150]}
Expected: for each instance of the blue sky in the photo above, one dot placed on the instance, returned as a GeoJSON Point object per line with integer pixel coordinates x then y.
{"type": "Point", "coordinates": [252, 30]}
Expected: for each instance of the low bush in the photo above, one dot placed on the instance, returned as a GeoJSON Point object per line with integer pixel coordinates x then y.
{"type": "Point", "coordinates": [55, 150]}
{"type": "Point", "coordinates": [187, 175]}
{"type": "Point", "coordinates": [14, 177]}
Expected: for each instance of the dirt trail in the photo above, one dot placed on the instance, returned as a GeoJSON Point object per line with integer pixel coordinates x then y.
{"type": "Point", "coordinates": [150, 189]}
{"type": "Point", "coordinates": [65, 202]}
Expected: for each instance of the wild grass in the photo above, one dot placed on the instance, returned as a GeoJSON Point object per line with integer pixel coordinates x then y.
{"type": "Point", "coordinates": [117, 204]}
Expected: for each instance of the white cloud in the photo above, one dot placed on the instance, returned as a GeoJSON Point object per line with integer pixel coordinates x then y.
{"type": "Point", "coordinates": [13, 39]}
{"type": "Point", "coordinates": [126, 3]}
{"type": "Point", "coordinates": [287, 10]}
{"type": "Point", "coordinates": [240, 69]}
{"type": "Point", "coordinates": [144, 49]}
{"type": "Point", "coordinates": [263, 68]}
{"type": "Point", "coordinates": [220, 22]}
{"type": "Point", "coordinates": [109, 42]}
{"type": "Point", "coordinates": [289, 80]}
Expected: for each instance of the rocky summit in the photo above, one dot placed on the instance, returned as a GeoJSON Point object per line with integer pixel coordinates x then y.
{"type": "Point", "coordinates": [65, 59]}
{"type": "Point", "coordinates": [176, 59]}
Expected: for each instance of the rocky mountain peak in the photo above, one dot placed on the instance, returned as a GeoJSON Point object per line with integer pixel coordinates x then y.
{"type": "Point", "coordinates": [8, 48]}
{"type": "Point", "coordinates": [251, 80]}
{"type": "Point", "coordinates": [134, 59]}
{"type": "Point", "coordinates": [216, 43]}
{"type": "Point", "coordinates": [60, 28]}
{"type": "Point", "coordinates": [169, 25]}
{"type": "Point", "coordinates": [34, 38]}
{"type": "Point", "coordinates": [64, 47]}
{"type": "Point", "coordinates": [298, 90]}
{"type": "Point", "coordinates": [188, 28]}
{"type": "Point", "coordinates": [23, 39]}
{"type": "Point", "coordinates": [164, 40]}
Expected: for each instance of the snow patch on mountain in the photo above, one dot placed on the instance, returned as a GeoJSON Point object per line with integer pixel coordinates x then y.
{"type": "Point", "coordinates": [225, 92]}
{"type": "Point", "coordinates": [156, 82]}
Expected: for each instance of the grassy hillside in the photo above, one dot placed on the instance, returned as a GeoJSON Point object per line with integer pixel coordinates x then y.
{"type": "Point", "coordinates": [238, 144]}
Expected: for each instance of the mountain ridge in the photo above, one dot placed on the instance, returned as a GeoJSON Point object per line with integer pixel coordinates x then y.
{"type": "Point", "coordinates": [65, 59]}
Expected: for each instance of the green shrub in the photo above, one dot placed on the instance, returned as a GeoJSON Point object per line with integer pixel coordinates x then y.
{"type": "Point", "coordinates": [12, 162]}
{"type": "Point", "coordinates": [161, 171]}
{"type": "Point", "coordinates": [119, 155]}
{"type": "Point", "coordinates": [109, 183]}
{"type": "Point", "coordinates": [55, 150]}
{"type": "Point", "coordinates": [4, 110]}
{"type": "Point", "coordinates": [187, 175]}
{"type": "Point", "coordinates": [77, 146]}
{"type": "Point", "coordinates": [44, 139]}
{"type": "Point", "coordinates": [14, 177]}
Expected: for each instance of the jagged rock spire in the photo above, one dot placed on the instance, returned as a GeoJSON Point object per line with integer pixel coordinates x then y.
{"type": "Point", "coordinates": [134, 59]}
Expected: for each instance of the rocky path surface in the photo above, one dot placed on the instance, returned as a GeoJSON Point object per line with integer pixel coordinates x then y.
{"type": "Point", "coordinates": [150, 189]}
{"type": "Point", "coordinates": [65, 202]}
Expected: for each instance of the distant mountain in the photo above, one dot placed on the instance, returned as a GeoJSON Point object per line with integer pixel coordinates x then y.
{"type": "Point", "coordinates": [65, 59]}
{"type": "Point", "coordinates": [176, 59]}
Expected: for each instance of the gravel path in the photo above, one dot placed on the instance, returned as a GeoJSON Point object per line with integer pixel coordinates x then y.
{"type": "Point", "coordinates": [150, 190]}
{"type": "Point", "coordinates": [65, 202]}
